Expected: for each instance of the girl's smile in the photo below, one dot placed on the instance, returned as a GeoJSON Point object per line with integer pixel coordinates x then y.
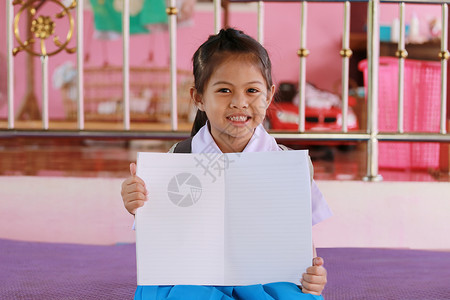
{"type": "Point", "coordinates": [239, 120]}
{"type": "Point", "coordinates": [235, 100]}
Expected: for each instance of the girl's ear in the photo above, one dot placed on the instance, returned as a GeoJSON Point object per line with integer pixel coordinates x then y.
{"type": "Point", "coordinates": [197, 98]}
{"type": "Point", "coordinates": [270, 95]}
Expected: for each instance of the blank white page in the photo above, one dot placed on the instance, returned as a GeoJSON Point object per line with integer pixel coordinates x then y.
{"type": "Point", "coordinates": [267, 218]}
{"type": "Point", "coordinates": [178, 243]}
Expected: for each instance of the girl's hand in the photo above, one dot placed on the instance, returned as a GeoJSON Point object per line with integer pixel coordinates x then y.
{"type": "Point", "coordinates": [315, 278]}
{"type": "Point", "coordinates": [134, 193]}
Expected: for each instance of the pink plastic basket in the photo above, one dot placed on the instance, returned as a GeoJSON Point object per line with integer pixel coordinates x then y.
{"type": "Point", "coordinates": [421, 111]}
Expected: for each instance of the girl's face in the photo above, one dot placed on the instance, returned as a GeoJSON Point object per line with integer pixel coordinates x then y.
{"type": "Point", "coordinates": [235, 100]}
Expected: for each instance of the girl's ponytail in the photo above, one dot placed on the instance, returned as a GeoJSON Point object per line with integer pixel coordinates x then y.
{"type": "Point", "coordinates": [199, 122]}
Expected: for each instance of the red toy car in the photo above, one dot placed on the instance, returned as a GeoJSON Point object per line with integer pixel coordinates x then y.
{"type": "Point", "coordinates": [322, 111]}
{"type": "Point", "coordinates": [284, 116]}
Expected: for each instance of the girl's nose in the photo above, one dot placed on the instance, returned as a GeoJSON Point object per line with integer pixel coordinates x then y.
{"type": "Point", "coordinates": [239, 101]}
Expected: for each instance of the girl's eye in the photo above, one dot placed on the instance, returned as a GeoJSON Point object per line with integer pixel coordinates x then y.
{"type": "Point", "coordinates": [224, 90]}
{"type": "Point", "coordinates": [251, 90]}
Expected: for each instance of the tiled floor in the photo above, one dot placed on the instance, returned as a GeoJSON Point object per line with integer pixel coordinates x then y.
{"type": "Point", "coordinates": [100, 158]}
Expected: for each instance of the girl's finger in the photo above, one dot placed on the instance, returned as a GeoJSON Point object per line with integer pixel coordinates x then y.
{"type": "Point", "coordinates": [132, 185]}
{"type": "Point", "coordinates": [312, 288]}
{"type": "Point", "coordinates": [130, 181]}
{"type": "Point", "coordinates": [134, 205]}
{"type": "Point", "coordinates": [318, 261]}
{"type": "Point", "coordinates": [133, 169]}
{"type": "Point", "coordinates": [135, 187]}
{"type": "Point", "coordinates": [306, 291]}
{"type": "Point", "coordinates": [321, 271]}
{"type": "Point", "coordinates": [314, 279]}
{"type": "Point", "coordinates": [130, 198]}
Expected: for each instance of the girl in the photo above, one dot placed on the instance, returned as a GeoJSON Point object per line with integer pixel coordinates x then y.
{"type": "Point", "coordinates": [233, 88]}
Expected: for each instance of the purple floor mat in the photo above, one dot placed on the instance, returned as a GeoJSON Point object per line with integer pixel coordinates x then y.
{"type": "Point", "coordinates": [367, 273]}
{"type": "Point", "coordinates": [31, 270]}
{"type": "Point", "coordinates": [66, 271]}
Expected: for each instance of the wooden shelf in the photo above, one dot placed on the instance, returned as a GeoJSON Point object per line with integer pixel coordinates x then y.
{"type": "Point", "coordinates": [425, 51]}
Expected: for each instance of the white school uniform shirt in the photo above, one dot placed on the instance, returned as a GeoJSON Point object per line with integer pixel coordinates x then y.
{"type": "Point", "coordinates": [261, 141]}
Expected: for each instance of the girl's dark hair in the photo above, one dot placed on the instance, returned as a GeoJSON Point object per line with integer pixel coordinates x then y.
{"type": "Point", "coordinates": [216, 49]}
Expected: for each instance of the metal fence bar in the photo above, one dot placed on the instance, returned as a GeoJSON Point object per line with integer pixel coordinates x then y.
{"type": "Point", "coordinates": [401, 54]}
{"type": "Point", "coordinates": [413, 137]}
{"type": "Point", "coordinates": [362, 137]}
{"type": "Point", "coordinates": [444, 57]}
{"type": "Point", "coordinates": [217, 16]}
{"type": "Point", "coordinates": [172, 16]}
{"type": "Point", "coordinates": [261, 22]}
{"type": "Point", "coordinates": [178, 135]}
{"type": "Point", "coordinates": [345, 53]}
{"type": "Point", "coordinates": [302, 53]}
{"type": "Point", "coordinates": [10, 62]}
{"type": "Point", "coordinates": [126, 63]}
{"type": "Point", "coordinates": [44, 68]}
{"type": "Point", "coordinates": [80, 65]}
{"type": "Point", "coordinates": [373, 53]}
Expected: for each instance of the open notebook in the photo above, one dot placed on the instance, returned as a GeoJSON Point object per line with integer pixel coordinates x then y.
{"type": "Point", "coordinates": [224, 219]}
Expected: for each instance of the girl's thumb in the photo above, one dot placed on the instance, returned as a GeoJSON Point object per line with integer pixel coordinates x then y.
{"type": "Point", "coordinates": [133, 169]}
{"type": "Point", "coordinates": [318, 261]}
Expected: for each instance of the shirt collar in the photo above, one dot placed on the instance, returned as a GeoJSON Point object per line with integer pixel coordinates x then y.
{"type": "Point", "coordinates": [260, 141]}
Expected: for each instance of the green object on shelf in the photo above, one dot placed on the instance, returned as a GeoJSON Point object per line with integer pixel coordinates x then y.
{"type": "Point", "coordinates": [386, 31]}
{"type": "Point", "coordinates": [108, 15]}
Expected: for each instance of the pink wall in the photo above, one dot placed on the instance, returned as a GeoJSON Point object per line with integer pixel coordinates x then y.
{"type": "Point", "coordinates": [410, 215]}
{"type": "Point", "coordinates": [366, 214]}
{"type": "Point", "coordinates": [281, 39]}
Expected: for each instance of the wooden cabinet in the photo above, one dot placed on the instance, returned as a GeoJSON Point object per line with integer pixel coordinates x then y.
{"type": "Point", "coordinates": [426, 51]}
